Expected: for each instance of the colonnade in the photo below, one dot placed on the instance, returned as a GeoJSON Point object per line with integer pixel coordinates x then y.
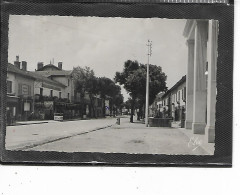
{"type": "Point", "coordinates": [201, 76]}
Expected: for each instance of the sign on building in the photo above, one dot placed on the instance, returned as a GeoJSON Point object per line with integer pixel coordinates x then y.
{"type": "Point", "coordinates": [26, 106]}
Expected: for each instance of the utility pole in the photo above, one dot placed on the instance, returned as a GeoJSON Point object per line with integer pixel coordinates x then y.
{"type": "Point", "coordinates": [149, 45]}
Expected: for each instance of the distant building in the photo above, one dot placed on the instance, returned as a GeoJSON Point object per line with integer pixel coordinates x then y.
{"type": "Point", "coordinates": [68, 93]}
{"type": "Point", "coordinates": [59, 75]}
{"type": "Point", "coordinates": [174, 101]}
{"type": "Point", "coordinates": [155, 110]}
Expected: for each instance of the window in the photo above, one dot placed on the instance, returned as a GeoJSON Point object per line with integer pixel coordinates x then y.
{"type": "Point", "coordinates": [68, 96]}
{"type": "Point", "coordinates": [68, 82]}
{"type": "Point", "coordinates": [51, 93]}
{"type": "Point", "coordinates": [179, 95]}
{"type": "Point", "coordinates": [60, 94]}
{"type": "Point", "coordinates": [9, 86]}
{"type": "Point", "coordinates": [41, 91]}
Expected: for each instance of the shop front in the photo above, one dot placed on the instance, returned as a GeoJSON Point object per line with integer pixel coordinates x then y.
{"type": "Point", "coordinates": [11, 110]}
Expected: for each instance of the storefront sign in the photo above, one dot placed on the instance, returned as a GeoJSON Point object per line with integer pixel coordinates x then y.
{"type": "Point", "coordinates": [25, 89]}
{"type": "Point", "coordinates": [26, 106]}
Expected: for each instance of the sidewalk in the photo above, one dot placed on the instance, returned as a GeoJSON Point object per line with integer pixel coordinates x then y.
{"type": "Point", "coordinates": [27, 136]}
{"type": "Point", "coordinates": [199, 140]}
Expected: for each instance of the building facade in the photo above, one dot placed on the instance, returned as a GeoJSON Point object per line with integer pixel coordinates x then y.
{"type": "Point", "coordinates": [61, 76]}
{"type": "Point", "coordinates": [20, 93]}
{"type": "Point", "coordinates": [174, 101]}
{"type": "Point", "coordinates": [201, 36]}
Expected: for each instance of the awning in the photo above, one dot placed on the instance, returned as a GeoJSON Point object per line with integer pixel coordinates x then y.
{"type": "Point", "coordinates": [12, 99]}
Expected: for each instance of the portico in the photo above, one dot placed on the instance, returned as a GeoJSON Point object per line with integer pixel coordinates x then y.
{"type": "Point", "coordinates": [201, 38]}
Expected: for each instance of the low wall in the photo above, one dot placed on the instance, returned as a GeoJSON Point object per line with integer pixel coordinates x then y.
{"type": "Point", "coordinates": [160, 122]}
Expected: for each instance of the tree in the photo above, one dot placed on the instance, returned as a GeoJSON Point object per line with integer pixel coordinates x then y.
{"type": "Point", "coordinates": [85, 83]}
{"type": "Point", "coordinates": [133, 78]}
{"type": "Point", "coordinates": [108, 89]}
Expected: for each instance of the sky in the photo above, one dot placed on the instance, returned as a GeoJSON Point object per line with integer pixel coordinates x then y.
{"type": "Point", "coordinates": [101, 43]}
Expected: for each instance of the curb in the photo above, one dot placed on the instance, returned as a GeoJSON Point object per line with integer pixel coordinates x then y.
{"type": "Point", "coordinates": [19, 124]}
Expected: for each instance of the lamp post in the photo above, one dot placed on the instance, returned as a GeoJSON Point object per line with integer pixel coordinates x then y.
{"type": "Point", "coordinates": [149, 45]}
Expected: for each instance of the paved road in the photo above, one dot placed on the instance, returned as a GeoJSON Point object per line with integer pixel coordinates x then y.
{"type": "Point", "coordinates": [27, 136]}
{"type": "Point", "coordinates": [126, 138]}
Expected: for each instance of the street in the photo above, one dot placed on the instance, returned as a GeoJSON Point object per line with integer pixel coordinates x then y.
{"type": "Point", "coordinates": [25, 136]}
{"type": "Point", "coordinates": [102, 135]}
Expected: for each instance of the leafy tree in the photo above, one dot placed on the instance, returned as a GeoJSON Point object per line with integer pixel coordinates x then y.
{"type": "Point", "coordinates": [85, 83]}
{"type": "Point", "coordinates": [108, 89]}
{"type": "Point", "coordinates": [133, 78]}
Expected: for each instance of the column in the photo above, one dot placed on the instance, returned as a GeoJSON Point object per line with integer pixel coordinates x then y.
{"type": "Point", "coordinates": [189, 85]}
{"type": "Point", "coordinates": [199, 89]}
{"type": "Point", "coordinates": [211, 85]}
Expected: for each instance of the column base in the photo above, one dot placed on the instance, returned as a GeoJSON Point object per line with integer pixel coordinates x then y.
{"type": "Point", "coordinates": [198, 128]}
{"type": "Point", "coordinates": [188, 124]}
{"type": "Point", "coordinates": [210, 133]}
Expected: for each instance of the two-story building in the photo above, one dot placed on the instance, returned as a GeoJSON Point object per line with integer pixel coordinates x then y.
{"type": "Point", "coordinates": [59, 75]}
{"type": "Point", "coordinates": [20, 92]}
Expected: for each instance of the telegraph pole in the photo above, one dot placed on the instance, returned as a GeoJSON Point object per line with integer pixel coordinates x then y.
{"type": "Point", "coordinates": [149, 45]}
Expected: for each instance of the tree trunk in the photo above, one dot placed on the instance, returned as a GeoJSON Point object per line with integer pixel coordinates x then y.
{"type": "Point", "coordinates": [93, 107]}
{"type": "Point", "coordinates": [104, 108]}
{"type": "Point", "coordinates": [82, 112]}
{"type": "Point", "coordinates": [132, 110]}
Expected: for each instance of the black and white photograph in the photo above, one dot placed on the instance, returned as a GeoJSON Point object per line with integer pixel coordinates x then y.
{"type": "Point", "coordinates": [119, 97]}
{"type": "Point", "coordinates": [111, 85]}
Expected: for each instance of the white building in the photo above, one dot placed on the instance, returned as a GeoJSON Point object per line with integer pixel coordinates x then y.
{"type": "Point", "coordinates": [201, 38]}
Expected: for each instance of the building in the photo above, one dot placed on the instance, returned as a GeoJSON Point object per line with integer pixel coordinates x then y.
{"type": "Point", "coordinates": [59, 85]}
{"type": "Point", "coordinates": [20, 92]}
{"type": "Point", "coordinates": [57, 74]}
{"type": "Point", "coordinates": [201, 36]}
{"type": "Point", "coordinates": [174, 101]}
{"type": "Point", "coordinates": [156, 108]}
{"type": "Point", "coordinates": [72, 104]}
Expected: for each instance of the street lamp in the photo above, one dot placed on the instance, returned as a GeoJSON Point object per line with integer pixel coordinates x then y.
{"type": "Point", "coordinates": [149, 45]}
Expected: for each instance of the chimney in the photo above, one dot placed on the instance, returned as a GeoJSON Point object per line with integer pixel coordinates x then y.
{"type": "Point", "coordinates": [17, 63]}
{"type": "Point", "coordinates": [39, 65]}
{"type": "Point", "coordinates": [24, 65]}
{"type": "Point", "coordinates": [60, 65]}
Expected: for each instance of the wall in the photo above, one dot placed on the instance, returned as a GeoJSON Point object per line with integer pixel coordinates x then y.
{"type": "Point", "coordinates": [176, 92]}
{"type": "Point", "coordinates": [46, 91]}
{"type": "Point", "coordinates": [25, 81]}
{"type": "Point", "coordinates": [11, 77]}
{"type": "Point", "coordinates": [68, 89]}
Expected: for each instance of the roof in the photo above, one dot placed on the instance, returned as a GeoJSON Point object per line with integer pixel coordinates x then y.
{"type": "Point", "coordinates": [45, 79]}
{"type": "Point", "coordinates": [49, 66]}
{"type": "Point", "coordinates": [14, 69]}
{"type": "Point", "coordinates": [32, 75]}
{"type": "Point", "coordinates": [55, 73]}
{"type": "Point", "coordinates": [181, 81]}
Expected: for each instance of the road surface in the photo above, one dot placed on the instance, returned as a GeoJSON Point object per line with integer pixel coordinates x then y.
{"type": "Point", "coordinates": [102, 135]}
